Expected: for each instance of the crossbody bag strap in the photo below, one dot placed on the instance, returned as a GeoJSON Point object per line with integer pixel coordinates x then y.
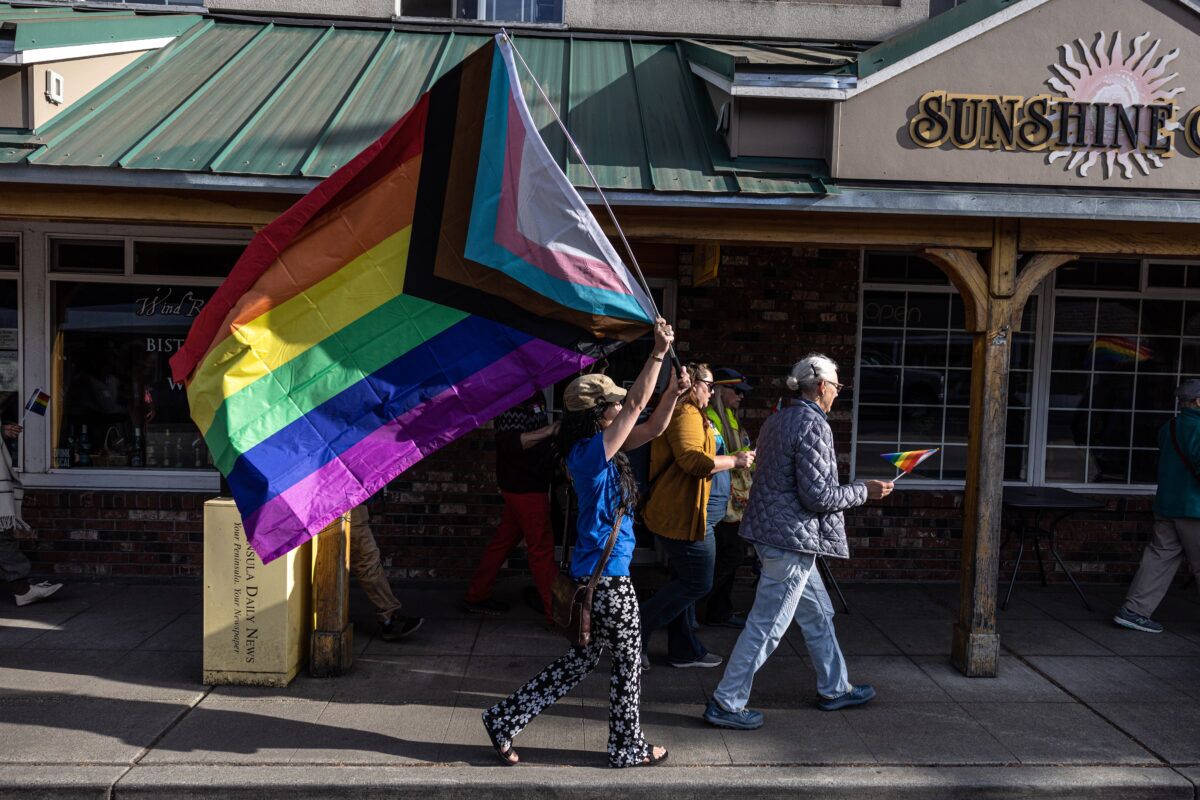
{"type": "Point", "coordinates": [1179, 452]}
{"type": "Point", "coordinates": [608, 548]}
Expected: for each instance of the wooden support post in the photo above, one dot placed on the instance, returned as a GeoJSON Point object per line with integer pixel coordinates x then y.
{"type": "Point", "coordinates": [993, 300]}
{"type": "Point", "coordinates": [331, 651]}
{"type": "Point", "coordinates": [988, 299]}
{"type": "Point", "coordinates": [975, 650]}
{"type": "Point", "coordinates": [976, 645]}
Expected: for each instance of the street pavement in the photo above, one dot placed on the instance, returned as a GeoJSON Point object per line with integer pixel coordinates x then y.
{"type": "Point", "coordinates": [100, 697]}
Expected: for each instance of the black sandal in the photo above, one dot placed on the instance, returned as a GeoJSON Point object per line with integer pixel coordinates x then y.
{"type": "Point", "coordinates": [653, 760]}
{"type": "Point", "coordinates": [507, 755]}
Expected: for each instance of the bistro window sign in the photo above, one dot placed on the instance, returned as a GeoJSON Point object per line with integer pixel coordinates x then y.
{"type": "Point", "coordinates": [1114, 107]}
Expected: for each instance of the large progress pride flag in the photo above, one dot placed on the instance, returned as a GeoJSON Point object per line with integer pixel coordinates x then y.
{"type": "Point", "coordinates": [433, 282]}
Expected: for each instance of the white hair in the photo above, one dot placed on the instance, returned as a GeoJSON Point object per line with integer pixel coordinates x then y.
{"type": "Point", "coordinates": [810, 371]}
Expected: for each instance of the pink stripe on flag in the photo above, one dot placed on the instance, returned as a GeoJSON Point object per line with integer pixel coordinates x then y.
{"type": "Point", "coordinates": [361, 471]}
{"type": "Point", "coordinates": [570, 267]}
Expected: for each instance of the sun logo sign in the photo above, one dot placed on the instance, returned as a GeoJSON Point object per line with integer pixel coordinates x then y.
{"type": "Point", "coordinates": [1113, 105]}
{"type": "Point", "coordinates": [1114, 94]}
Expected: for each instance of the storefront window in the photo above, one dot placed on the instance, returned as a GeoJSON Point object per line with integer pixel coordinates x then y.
{"type": "Point", "coordinates": [914, 384]}
{"type": "Point", "coordinates": [120, 308]}
{"type": "Point", "coordinates": [115, 405]}
{"type": "Point", "coordinates": [1115, 363]}
{"type": "Point", "coordinates": [1086, 401]}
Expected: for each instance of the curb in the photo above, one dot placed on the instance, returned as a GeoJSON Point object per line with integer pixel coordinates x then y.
{"type": "Point", "coordinates": [454, 782]}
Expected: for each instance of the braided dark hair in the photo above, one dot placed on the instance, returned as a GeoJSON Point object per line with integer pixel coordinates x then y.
{"type": "Point", "coordinates": [579, 425]}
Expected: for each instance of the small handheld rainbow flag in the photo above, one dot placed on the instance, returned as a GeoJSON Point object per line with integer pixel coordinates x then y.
{"type": "Point", "coordinates": [38, 402]}
{"type": "Point", "coordinates": [907, 460]}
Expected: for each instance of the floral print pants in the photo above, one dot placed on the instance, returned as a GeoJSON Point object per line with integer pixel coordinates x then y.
{"type": "Point", "coordinates": [615, 624]}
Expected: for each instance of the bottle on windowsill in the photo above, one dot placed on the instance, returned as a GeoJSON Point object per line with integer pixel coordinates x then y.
{"type": "Point", "coordinates": [85, 448]}
{"type": "Point", "coordinates": [68, 452]}
{"type": "Point", "coordinates": [168, 454]}
{"type": "Point", "coordinates": [135, 458]}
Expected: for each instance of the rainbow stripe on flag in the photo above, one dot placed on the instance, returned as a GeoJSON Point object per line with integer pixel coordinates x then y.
{"type": "Point", "coordinates": [432, 283]}
{"type": "Point", "coordinates": [908, 460]}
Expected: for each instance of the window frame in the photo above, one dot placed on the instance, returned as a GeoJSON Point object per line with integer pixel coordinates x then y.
{"type": "Point", "coordinates": [1044, 355]}
{"type": "Point", "coordinates": [398, 9]}
{"type": "Point", "coordinates": [912, 481]}
{"type": "Point", "coordinates": [35, 308]}
{"type": "Point", "coordinates": [1039, 407]}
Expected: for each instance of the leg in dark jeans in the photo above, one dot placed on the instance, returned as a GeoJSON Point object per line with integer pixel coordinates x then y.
{"type": "Point", "coordinates": [730, 554]}
{"type": "Point", "coordinates": [691, 579]}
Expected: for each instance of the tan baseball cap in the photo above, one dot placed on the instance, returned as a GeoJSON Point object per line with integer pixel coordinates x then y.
{"type": "Point", "coordinates": [589, 391]}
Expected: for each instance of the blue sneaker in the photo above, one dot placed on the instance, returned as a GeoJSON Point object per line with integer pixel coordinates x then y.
{"type": "Point", "coordinates": [857, 696]}
{"type": "Point", "coordinates": [744, 720]}
{"type": "Point", "coordinates": [1136, 622]}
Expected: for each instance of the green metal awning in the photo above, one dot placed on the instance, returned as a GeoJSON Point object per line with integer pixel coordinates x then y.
{"type": "Point", "coordinates": [43, 28]}
{"type": "Point", "coordinates": [727, 59]}
{"type": "Point", "coordinates": [237, 98]}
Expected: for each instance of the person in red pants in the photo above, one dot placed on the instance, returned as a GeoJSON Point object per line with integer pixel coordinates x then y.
{"type": "Point", "coordinates": [524, 460]}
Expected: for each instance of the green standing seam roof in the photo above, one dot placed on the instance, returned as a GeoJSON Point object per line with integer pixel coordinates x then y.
{"type": "Point", "coordinates": [389, 85]}
{"type": "Point", "coordinates": [928, 33]}
{"type": "Point", "coordinates": [548, 60]}
{"type": "Point", "coordinates": [301, 100]}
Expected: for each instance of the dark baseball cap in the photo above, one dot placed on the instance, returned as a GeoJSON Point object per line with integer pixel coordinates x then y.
{"type": "Point", "coordinates": [731, 379]}
{"type": "Point", "coordinates": [1189, 390]}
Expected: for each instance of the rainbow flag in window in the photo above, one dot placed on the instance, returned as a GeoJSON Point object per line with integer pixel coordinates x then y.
{"type": "Point", "coordinates": [38, 402]}
{"type": "Point", "coordinates": [1120, 350]}
{"type": "Point", "coordinates": [908, 460]}
{"type": "Point", "coordinates": [435, 281]}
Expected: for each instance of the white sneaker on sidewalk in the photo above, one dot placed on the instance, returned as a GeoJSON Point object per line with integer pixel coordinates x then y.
{"type": "Point", "coordinates": [37, 591]}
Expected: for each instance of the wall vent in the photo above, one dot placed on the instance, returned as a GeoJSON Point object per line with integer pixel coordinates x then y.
{"type": "Point", "coordinates": [54, 87]}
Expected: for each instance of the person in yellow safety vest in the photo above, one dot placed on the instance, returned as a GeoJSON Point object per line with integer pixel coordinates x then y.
{"type": "Point", "coordinates": [731, 386]}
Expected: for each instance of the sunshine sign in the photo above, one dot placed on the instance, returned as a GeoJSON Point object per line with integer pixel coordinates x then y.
{"type": "Point", "coordinates": [1112, 106]}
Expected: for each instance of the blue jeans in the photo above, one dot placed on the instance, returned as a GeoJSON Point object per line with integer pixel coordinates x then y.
{"type": "Point", "coordinates": [790, 588]}
{"type": "Point", "coordinates": [691, 579]}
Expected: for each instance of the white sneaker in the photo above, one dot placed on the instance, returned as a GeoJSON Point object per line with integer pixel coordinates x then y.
{"type": "Point", "coordinates": [38, 591]}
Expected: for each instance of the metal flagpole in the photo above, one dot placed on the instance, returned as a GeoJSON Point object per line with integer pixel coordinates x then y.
{"type": "Point", "coordinates": [637, 270]}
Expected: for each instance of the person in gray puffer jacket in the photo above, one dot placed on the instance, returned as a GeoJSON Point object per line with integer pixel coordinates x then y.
{"type": "Point", "coordinates": [795, 515]}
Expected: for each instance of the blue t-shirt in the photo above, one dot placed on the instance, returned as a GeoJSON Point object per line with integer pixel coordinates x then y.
{"type": "Point", "coordinates": [598, 490]}
{"type": "Point", "coordinates": [718, 491]}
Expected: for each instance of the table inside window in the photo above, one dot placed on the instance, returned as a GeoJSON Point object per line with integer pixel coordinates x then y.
{"type": "Point", "coordinates": [1047, 507]}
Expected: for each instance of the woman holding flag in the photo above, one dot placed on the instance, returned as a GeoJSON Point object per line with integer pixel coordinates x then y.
{"type": "Point", "coordinates": [14, 566]}
{"type": "Point", "coordinates": [599, 425]}
{"type": "Point", "coordinates": [795, 515]}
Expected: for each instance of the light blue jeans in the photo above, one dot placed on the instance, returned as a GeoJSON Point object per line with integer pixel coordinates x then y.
{"type": "Point", "coordinates": [790, 588]}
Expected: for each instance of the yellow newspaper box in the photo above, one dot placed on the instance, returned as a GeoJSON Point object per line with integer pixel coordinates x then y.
{"type": "Point", "coordinates": [257, 617]}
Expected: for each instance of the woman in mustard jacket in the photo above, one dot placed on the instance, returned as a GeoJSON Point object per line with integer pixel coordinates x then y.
{"type": "Point", "coordinates": [687, 464]}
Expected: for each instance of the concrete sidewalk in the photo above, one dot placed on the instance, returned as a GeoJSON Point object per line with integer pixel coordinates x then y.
{"type": "Point", "coordinates": [99, 697]}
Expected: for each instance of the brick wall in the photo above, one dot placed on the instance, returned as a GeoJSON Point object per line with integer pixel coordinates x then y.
{"type": "Point", "coordinates": [114, 534]}
{"type": "Point", "coordinates": [768, 307]}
